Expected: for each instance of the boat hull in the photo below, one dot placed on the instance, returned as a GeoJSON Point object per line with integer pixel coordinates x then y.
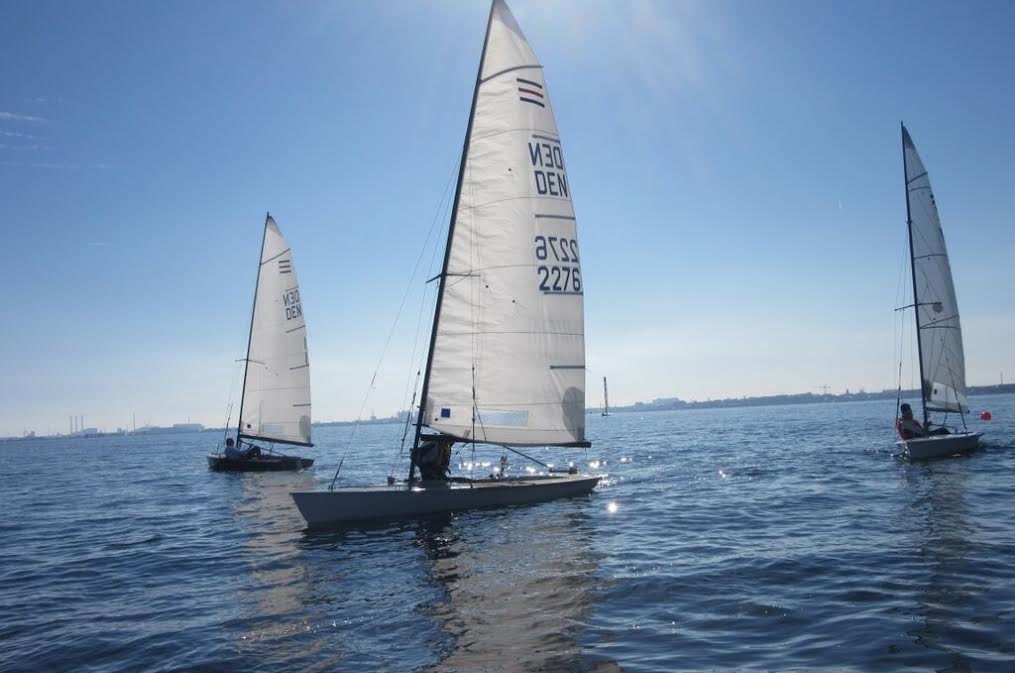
{"type": "Point", "coordinates": [220, 463]}
{"type": "Point", "coordinates": [939, 446]}
{"type": "Point", "coordinates": [345, 505]}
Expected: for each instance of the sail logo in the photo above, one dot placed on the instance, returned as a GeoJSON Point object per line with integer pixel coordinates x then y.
{"type": "Point", "coordinates": [285, 266]}
{"type": "Point", "coordinates": [530, 92]}
{"type": "Point", "coordinates": [548, 167]}
{"type": "Point", "coordinates": [291, 302]}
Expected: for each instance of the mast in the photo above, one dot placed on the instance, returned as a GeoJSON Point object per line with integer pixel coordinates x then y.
{"type": "Point", "coordinates": [912, 268]}
{"type": "Point", "coordinates": [250, 334]}
{"type": "Point", "coordinates": [606, 399]}
{"type": "Point", "coordinates": [447, 249]}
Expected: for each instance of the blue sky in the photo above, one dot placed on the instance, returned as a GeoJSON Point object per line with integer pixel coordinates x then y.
{"type": "Point", "coordinates": [735, 168]}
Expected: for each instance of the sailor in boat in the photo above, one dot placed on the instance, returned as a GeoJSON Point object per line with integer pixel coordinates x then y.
{"type": "Point", "coordinates": [433, 458]}
{"type": "Point", "coordinates": [910, 428]}
{"type": "Point", "coordinates": [236, 450]}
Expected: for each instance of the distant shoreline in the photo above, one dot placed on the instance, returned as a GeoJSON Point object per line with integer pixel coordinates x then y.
{"type": "Point", "coordinates": [658, 404]}
{"type": "Point", "coordinates": [671, 403]}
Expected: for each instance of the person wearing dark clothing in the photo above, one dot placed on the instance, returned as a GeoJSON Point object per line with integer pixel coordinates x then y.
{"type": "Point", "coordinates": [433, 458]}
{"type": "Point", "coordinates": [235, 450]}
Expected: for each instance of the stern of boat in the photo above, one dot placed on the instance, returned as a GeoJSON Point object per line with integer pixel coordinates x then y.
{"type": "Point", "coordinates": [940, 446]}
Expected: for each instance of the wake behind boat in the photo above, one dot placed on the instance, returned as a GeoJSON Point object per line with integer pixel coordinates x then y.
{"type": "Point", "coordinates": [275, 402]}
{"type": "Point", "coordinates": [506, 364]}
{"type": "Point", "coordinates": [938, 331]}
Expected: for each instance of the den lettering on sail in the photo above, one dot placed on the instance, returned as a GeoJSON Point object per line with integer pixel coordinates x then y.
{"type": "Point", "coordinates": [291, 302]}
{"type": "Point", "coordinates": [548, 167]}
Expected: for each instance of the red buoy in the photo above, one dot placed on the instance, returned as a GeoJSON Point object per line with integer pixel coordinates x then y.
{"type": "Point", "coordinates": [985, 416]}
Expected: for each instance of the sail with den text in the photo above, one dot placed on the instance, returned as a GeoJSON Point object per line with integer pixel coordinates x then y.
{"type": "Point", "coordinates": [291, 302]}
{"type": "Point", "coordinates": [548, 167]}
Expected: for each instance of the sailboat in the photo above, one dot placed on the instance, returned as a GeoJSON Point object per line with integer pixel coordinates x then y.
{"type": "Point", "coordinates": [506, 361]}
{"type": "Point", "coordinates": [275, 402]}
{"type": "Point", "coordinates": [938, 332]}
{"type": "Point", "coordinates": [606, 399]}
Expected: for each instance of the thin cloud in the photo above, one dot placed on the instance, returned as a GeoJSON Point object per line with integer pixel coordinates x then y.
{"type": "Point", "coordinates": [15, 134]}
{"type": "Point", "coordinates": [26, 148]}
{"type": "Point", "coordinates": [31, 119]}
{"type": "Point", "coordinates": [52, 165]}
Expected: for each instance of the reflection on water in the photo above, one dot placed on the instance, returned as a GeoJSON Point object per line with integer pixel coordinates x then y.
{"type": "Point", "coordinates": [517, 588]}
{"type": "Point", "coordinates": [944, 548]}
{"type": "Point", "coordinates": [275, 595]}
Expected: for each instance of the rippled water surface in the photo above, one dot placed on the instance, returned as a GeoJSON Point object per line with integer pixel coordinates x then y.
{"type": "Point", "coordinates": [755, 539]}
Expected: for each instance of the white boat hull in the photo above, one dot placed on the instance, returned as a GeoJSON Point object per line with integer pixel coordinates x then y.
{"type": "Point", "coordinates": [344, 505]}
{"type": "Point", "coordinates": [938, 446]}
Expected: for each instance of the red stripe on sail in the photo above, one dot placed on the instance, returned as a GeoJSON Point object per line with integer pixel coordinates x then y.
{"type": "Point", "coordinates": [530, 92]}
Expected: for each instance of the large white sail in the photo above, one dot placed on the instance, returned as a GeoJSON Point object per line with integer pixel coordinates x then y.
{"type": "Point", "coordinates": [508, 363]}
{"type": "Point", "coordinates": [937, 312]}
{"type": "Point", "coordinates": [276, 390]}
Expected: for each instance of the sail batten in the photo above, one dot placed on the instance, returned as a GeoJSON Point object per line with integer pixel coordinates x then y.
{"type": "Point", "coordinates": [276, 383]}
{"type": "Point", "coordinates": [508, 351]}
{"type": "Point", "coordinates": [939, 331]}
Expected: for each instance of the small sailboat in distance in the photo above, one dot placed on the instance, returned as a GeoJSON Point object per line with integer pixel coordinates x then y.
{"type": "Point", "coordinates": [506, 364]}
{"type": "Point", "coordinates": [275, 402]}
{"type": "Point", "coordinates": [606, 399]}
{"type": "Point", "coordinates": [938, 332]}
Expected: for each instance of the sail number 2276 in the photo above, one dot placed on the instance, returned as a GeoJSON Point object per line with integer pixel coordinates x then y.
{"type": "Point", "coordinates": [561, 272]}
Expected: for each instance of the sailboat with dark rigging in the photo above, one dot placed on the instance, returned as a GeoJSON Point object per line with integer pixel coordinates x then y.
{"type": "Point", "coordinates": [506, 362]}
{"type": "Point", "coordinates": [275, 402]}
{"type": "Point", "coordinates": [938, 331]}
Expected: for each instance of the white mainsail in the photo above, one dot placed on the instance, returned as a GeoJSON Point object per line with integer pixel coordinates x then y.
{"type": "Point", "coordinates": [508, 361]}
{"type": "Point", "coordinates": [937, 313]}
{"type": "Point", "coordinates": [276, 383]}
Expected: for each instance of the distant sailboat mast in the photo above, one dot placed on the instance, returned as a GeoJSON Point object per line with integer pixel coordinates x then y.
{"type": "Point", "coordinates": [606, 399]}
{"type": "Point", "coordinates": [912, 268]}
{"type": "Point", "coordinates": [938, 327]}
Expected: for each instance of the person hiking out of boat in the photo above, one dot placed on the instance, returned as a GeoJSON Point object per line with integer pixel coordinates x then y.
{"type": "Point", "coordinates": [235, 450]}
{"type": "Point", "coordinates": [910, 428]}
{"type": "Point", "coordinates": [433, 458]}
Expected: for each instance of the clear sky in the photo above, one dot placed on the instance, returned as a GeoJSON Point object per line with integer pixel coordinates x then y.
{"type": "Point", "coordinates": [735, 168]}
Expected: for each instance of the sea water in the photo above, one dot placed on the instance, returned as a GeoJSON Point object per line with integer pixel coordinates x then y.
{"type": "Point", "coordinates": [788, 538]}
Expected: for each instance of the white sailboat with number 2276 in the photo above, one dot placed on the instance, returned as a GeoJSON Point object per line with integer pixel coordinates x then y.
{"type": "Point", "coordinates": [506, 364]}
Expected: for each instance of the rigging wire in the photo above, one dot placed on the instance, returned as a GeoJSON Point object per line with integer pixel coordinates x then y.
{"type": "Point", "coordinates": [415, 358]}
{"type": "Point", "coordinates": [232, 395]}
{"type": "Point", "coordinates": [899, 331]}
{"type": "Point", "coordinates": [442, 205]}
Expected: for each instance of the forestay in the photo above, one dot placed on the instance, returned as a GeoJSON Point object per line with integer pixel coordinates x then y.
{"type": "Point", "coordinates": [510, 340]}
{"type": "Point", "coordinates": [276, 391]}
{"type": "Point", "coordinates": [937, 313]}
